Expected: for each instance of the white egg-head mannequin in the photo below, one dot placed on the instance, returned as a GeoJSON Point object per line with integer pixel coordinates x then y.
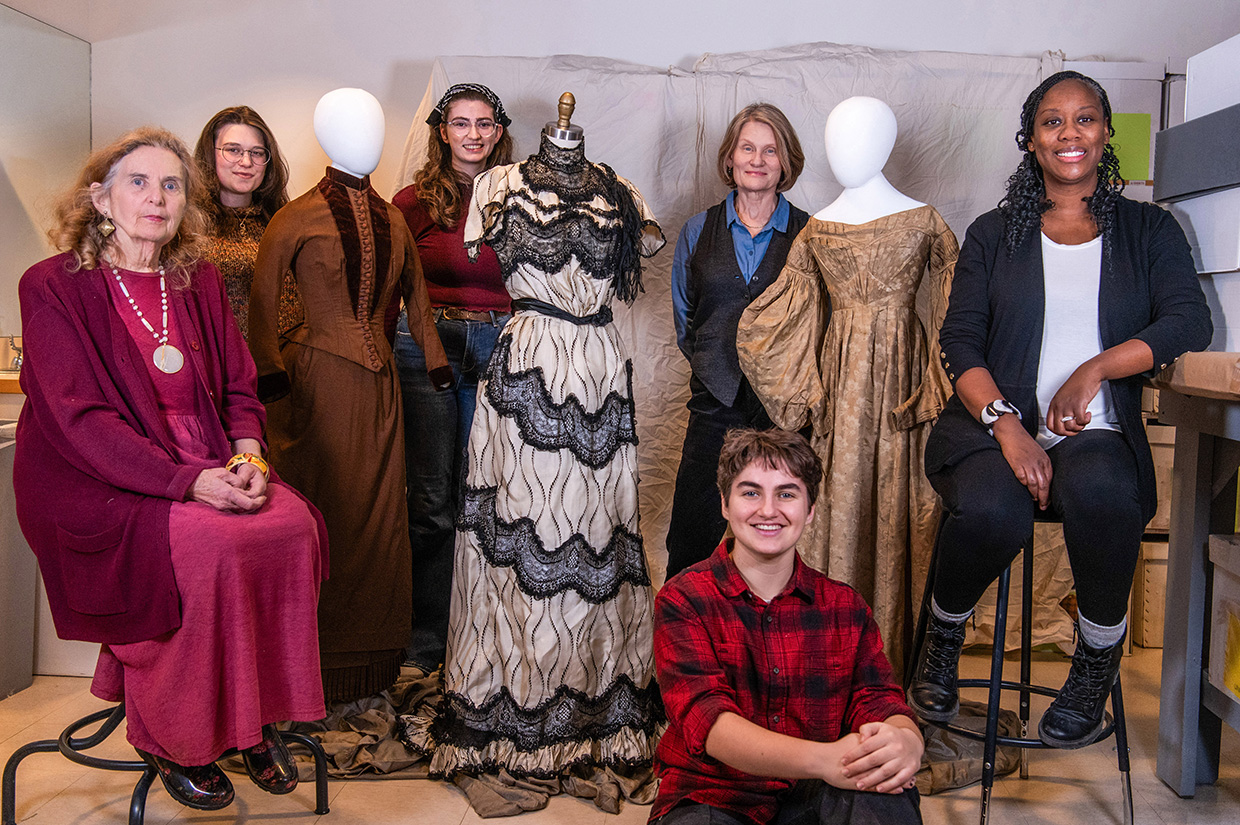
{"type": "Point", "coordinates": [349, 125]}
{"type": "Point", "coordinates": [860, 134]}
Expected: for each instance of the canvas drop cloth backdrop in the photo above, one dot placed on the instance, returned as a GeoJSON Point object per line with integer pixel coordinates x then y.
{"type": "Point", "coordinates": [661, 128]}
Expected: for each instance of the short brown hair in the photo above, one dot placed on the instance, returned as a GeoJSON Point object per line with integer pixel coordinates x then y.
{"type": "Point", "coordinates": [787, 145]}
{"type": "Point", "coordinates": [775, 449]}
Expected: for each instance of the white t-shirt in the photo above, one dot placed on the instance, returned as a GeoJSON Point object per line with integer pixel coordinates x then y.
{"type": "Point", "coordinates": [1070, 333]}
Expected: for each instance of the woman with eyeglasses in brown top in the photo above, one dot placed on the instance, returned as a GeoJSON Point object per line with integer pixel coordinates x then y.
{"type": "Point", "coordinates": [246, 182]}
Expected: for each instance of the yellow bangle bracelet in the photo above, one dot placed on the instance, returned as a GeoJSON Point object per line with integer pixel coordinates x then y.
{"type": "Point", "coordinates": [248, 458]}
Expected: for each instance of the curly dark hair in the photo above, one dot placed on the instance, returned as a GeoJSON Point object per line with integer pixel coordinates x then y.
{"type": "Point", "coordinates": [1025, 202]}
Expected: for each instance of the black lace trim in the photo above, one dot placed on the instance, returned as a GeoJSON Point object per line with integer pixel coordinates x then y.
{"type": "Point", "coordinates": [605, 252]}
{"type": "Point", "coordinates": [569, 715]}
{"type": "Point", "coordinates": [595, 575]}
{"type": "Point", "coordinates": [593, 437]}
{"type": "Point", "coordinates": [549, 243]}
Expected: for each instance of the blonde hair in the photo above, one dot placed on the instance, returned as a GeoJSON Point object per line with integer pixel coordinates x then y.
{"type": "Point", "coordinates": [76, 226]}
{"type": "Point", "coordinates": [787, 145]}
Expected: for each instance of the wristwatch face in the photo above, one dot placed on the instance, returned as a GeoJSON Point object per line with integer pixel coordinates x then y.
{"type": "Point", "coordinates": [992, 411]}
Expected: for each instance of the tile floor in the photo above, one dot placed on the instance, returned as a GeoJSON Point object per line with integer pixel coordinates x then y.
{"type": "Point", "coordinates": [1063, 787]}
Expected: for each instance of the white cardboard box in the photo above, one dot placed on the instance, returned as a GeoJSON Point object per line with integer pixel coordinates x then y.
{"type": "Point", "coordinates": [1213, 82]}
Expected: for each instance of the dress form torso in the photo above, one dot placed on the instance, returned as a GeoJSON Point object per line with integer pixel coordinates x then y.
{"type": "Point", "coordinates": [850, 286]}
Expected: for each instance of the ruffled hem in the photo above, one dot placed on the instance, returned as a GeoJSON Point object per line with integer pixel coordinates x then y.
{"type": "Point", "coordinates": [628, 749]}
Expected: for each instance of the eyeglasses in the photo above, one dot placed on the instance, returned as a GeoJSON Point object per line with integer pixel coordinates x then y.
{"type": "Point", "coordinates": [234, 153]}
{"type": "Point", "coordinates": [461, 126]}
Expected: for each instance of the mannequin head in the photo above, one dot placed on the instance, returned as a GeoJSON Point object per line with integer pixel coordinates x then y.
{"type": "Point", "coordinates": [349, 126]}
{"type": "Point", "coordinates": [860, 134]}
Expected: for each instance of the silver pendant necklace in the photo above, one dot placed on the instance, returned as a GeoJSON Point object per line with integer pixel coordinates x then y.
{"type": "Point", "coordinates": [167, 358]}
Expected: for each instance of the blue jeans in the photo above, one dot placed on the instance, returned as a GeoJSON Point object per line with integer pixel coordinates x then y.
{"type": "Point", "coordinates": [437, 427]}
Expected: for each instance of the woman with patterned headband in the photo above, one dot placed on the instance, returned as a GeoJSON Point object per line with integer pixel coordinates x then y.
{"type": "Point", "coordinates": [468, 135]}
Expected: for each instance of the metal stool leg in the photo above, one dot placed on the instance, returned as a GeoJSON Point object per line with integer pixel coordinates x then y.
{"type": "Point", "coordinates": [9, 803]}
{"type": "Point", "coordinates": [995, 694]}
{"type": "Point", "coordinates": [1121, 747]}
{"type": "Point", "coordinates": [1026, 646]}
{"type": "Point", "coordinates": [320, 766]}
{"type": "Point", "coordinates": [137, 801]}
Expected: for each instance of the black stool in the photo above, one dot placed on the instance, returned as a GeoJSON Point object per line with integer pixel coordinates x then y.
{"type": "Point", "coordinates": [996, 684]}
{"type": "Point", "coordinates": [72, 748]}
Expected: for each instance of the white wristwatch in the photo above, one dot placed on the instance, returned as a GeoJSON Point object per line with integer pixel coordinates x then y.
{"type": "Point", "coordinates": [994, 410]}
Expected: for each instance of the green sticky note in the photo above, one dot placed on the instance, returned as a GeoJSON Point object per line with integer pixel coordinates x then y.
{"type": "Point", "coordinates": [1132, 144]}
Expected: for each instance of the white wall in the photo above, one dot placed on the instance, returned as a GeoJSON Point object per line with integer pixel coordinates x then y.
{"type": "Point", "coordinates": [44, 137]}
{"type": "Point", "coordinates": [178, 63]}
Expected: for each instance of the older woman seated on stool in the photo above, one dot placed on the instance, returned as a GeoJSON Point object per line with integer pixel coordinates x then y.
{"type": "Point", "coordinates": [1063, 299]}
{"type": "Point", "coordinates": [141, 488]}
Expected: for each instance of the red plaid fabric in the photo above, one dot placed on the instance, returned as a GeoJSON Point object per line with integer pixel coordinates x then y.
{"type": "Point", "coordinates": [808, 664]}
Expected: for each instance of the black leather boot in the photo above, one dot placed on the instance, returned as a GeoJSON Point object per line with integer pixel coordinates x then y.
{"type": "Point", "coordinates": [1075, 718]}
{"type": "Point", "coordinates": [932, 691]}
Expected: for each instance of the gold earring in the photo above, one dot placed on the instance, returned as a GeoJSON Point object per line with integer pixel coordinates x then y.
{"type": "Point", "coordinates": [106, 228]}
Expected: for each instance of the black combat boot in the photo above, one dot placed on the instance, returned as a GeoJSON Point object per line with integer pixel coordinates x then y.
{"type": "Point", "coordinates": [932, 691]}
{"type": "Point", "coordinates": [1075, 718]}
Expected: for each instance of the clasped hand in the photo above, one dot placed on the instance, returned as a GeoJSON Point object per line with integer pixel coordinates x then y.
{"type": "Point", "coordinates": [1067, 415]}
{"type": "Point", "coordinates": [884, 758]}
{"type": "Point", "coordinates": [244, 491]}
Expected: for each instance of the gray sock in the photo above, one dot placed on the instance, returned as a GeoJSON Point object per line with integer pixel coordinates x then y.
{"type": "Point", "coordinates": [943, 616]}
{"type": "Point", "coordinates": [1098, 636]}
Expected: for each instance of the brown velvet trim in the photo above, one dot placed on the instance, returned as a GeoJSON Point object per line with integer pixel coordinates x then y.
{"type": "Point", "coordinates": [334, 187]}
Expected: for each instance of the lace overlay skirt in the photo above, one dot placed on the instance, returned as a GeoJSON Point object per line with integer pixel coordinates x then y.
{"type": "Point", "coordinates": [550, 660]}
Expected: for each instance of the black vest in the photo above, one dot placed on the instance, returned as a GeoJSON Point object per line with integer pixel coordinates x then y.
{"type": "Point", "coordinates": [718, 294]}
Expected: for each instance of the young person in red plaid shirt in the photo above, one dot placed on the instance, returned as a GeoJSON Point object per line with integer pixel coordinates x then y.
{"type": "Point", "coordinates": [780, 700]}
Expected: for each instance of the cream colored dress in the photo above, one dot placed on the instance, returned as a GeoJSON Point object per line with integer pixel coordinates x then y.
{"type": "Point", "coordinates": [836, 343]}
{"type": "Point", "coordinates": [550, 660]}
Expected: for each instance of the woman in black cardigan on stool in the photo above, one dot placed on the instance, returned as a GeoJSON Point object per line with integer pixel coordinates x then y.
{"type": "Point", "coordinates": [1064, 299]}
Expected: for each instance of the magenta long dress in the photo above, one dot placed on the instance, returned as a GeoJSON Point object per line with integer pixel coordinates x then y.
{"type": "Point", "coordinates": [246, 653]}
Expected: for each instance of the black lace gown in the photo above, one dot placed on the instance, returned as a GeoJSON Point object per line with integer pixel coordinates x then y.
{"type": "Point", "coordinates": [550, 662]}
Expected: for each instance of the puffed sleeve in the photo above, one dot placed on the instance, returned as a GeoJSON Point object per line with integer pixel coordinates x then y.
{"type": "Point", "coordinates": [778, 340]}
{"type": "Point", "coordinates": [932, 393]}
{"type": "Point", "coordinates": [652, 235]}
{"type": "Point", "coordinates": [486, 209]}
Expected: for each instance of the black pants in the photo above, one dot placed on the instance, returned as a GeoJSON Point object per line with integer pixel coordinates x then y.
{"type": "Point", "coordinates": [697, 520]}
{"type": "Point", "coordinates": [989, 514]}
{"type": "Point", "coordinates": [815, 803]}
